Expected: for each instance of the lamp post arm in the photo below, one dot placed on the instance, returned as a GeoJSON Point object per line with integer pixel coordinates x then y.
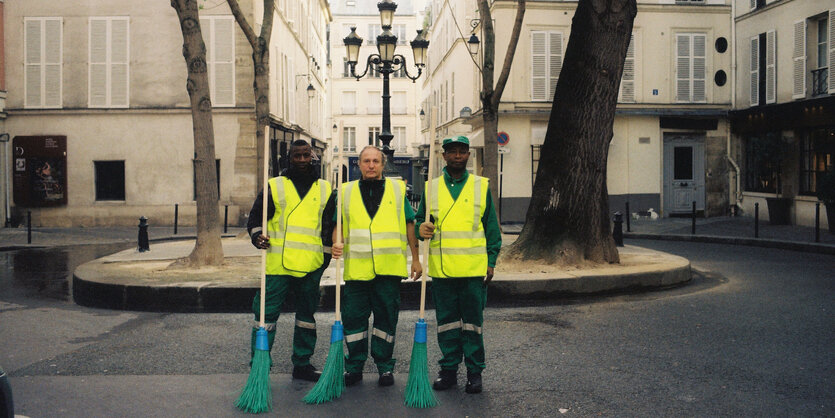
{"type": "Point", "coordinates": [400, 61]}
{"type": "Point", "coordinates": [373, 59]}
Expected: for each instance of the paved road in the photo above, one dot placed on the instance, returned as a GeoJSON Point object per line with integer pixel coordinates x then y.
{"type": "Point", "coordinates": [752, 335]}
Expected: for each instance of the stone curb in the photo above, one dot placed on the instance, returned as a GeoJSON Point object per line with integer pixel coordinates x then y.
{"type": "Point", "coordinates": [809, 247]}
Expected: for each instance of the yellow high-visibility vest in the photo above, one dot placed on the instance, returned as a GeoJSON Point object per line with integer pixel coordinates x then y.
{"type": "Point", "coordinates": [459, 247]}
{"type": "Point", "coordinates": [295, 229]}
{"type": "Point", "coordinates": [374, 247]}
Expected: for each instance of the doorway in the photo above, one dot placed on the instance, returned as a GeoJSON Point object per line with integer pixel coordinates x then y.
{"type": "Point", "coordinates": [684, 173]}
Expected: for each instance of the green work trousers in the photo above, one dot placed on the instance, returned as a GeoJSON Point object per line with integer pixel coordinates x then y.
{"type": "Point", "coordinates": [459, 308]}
{"type": "Point", "coordinates": [306, 296]}
{"type": "Point", "coordinates": [380, 296]}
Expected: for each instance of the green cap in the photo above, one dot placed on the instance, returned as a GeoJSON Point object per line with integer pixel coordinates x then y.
{"type": "Point", "coordinates": [461, 139]}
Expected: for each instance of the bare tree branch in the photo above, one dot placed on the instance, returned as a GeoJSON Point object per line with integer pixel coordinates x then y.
{"type": "Point", "coordinates": [511, 50]}
{"type": "Point", "coordinates": [241, 19]}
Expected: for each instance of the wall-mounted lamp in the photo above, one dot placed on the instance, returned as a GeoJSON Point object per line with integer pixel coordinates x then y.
{"type": "Point", "coordinates": [422, 114]}
{"type": "Point", "coordinates": [473, 44]}
{"type": "Point", "coordinates": [311, 91]}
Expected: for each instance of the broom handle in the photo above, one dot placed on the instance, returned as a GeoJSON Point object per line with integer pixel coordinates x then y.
{"type": "Point", "coordinates": [264, 196]}
{"type": "Point", "coordinates": [426, 206]}
{"type": "Point", "coordinates": [339, 222]}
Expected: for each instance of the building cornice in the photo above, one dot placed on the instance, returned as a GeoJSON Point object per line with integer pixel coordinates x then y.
{"type": "Point", "coordinates": [129, 111]}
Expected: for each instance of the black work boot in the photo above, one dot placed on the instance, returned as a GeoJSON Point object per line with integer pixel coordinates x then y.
{"type": "Point", "coordinates": [308, 373]}
{"type": "Point", "coordinates": [352, 378]}
{"type": "Point", "coordinates": [473, 383]}
{"type": "Point", "coordinates": [386, 379]}
{"type": "Point", "coordinates": [446, 379]}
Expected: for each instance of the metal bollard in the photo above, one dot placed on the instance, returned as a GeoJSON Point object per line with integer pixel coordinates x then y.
{"type": "Point", "coordinates": [693, 217]}
{"type": "Point", "coordinates": [143, 235]}
{"type": "Point", "coordinates": [817, 221]}
{"type": "Point", "coordinates": [628, 217]}
{"type": "Point", "coordinates": [756, 220]}
{"type": "Point", "coordinates": [617, 231]}
{"type": "Point", "coordinates": [28, 226]}
{"type": "Point", "coordinates": [225, 218]}
{"type": "Point", "coordinates": [176, 215]}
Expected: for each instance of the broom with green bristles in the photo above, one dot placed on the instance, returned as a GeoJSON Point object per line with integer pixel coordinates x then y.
{"type": "Point", "coordinates": [419, 393]}
{"type": "Point", "coordinates": [257, 396]}
{"type": "Point", "coordinates": [332, 382]}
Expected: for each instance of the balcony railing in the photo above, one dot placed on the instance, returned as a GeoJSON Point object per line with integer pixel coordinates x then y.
{"type": "Point", "coordinates": [820, 80]}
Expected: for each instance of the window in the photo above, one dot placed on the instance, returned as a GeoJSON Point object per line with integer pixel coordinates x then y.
{"type": "Point", "coordinates": [690, 67]}
{"type": "Point", "coordinates": [349, 139]}
{"type": "Point", "coordinates": [627, 80]}
{"type": "Point", "coordinates": [820, 75]}
{"type": "Point", "coordinates": [761, 165]}
{"type": "Point", "coordinates": [109, 54]}
{"type": "Point", "coordinates": [756, 4]}
{"type": "Point", "coordinates": [817, 155]}
{"type": "Point", "coordinates": [398, 103]}
{"type": "Point", "coordinates": [346, 68]}
{"type": "Point", "coordinates": [43, 61]}
{"type": "Point", "coordinates": [110, 180]}
{"type": "Point", "coordinates": [194, 176]}
{"type": "Point", "coordinates": [535, 153]}
{"type": "Point", "coordinates": [400, 140]}
{"type": "Point", "coordinates": [219, 37]}
{"type": "Point", "coordinates": [349, 102]}
{"type": "Point", "coordinates": [374, 102]}
{"type": "Point", "coordinates": [763, 68]}
{"type": "Point", "coordinates": [546, 64]}
{"type": "Point", "coordinates": [400, 32]}
{"type": "Point", "coordinates": [374, 136]}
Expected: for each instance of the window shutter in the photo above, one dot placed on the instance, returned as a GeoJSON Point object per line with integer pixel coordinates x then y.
{"type": "Point", "coordinates": [627, 82]}
{"type": "Point", "coordinates": [539, 80]}
{"type": "Point", "coordinates": [224, 62]}
{"type": "Point", "coordinates": [752, 4]}
{"type": "Point", "coordinates": [755, 70]}
{"type": "Point", "coordinates": [34, 63]}
{"type": "Point", "coordinates": [98, 63]}
{"type": "Point", "coordinates": [682, 68]}
{"type": "Point", "coordinates": [119, 62]}
{"type": "Point", "coordinates": [699, 68]}
{"type": "Point", "coordinates": [770, 67]}
{"type": "Point", "coordinates": [52, 63]}
{"type": "Point", "coordinates": [374, 103]}
{"type": "Point", "coordinates": [799, 58]}
{"type": "Point", "coordinates": [292, 89]}
{"type": "Point", "coordinates": [831, 51]}
{"type": "Point", "coordinates": [555, 64]}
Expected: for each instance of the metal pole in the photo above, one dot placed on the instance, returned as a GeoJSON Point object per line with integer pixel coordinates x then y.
{"type": "Point", "coordinates": [28, 226]}
{"type": "Point", "coordinates": [756, 220]}
{"type": "Point", "coordinates": [617, 231]}
{"type": "Point", "coordinates": [176, 215]}
{"type": "Point", "coordinates": [628, 215]}
{"type": "Point", "coordinates": [501, 184]}
{"type": "Point", "coordinates": [6, 167]}
{"type": "Point", "coordinates": [693, 217]}
{"type": "Point", "coordinates": [385, 134]}
{"type": "Point", "coordinates": [817, 221]}
{"type": "Point", "coordinates": [225, 218]}
{"type": "Point", "coordinates": [142, 239]}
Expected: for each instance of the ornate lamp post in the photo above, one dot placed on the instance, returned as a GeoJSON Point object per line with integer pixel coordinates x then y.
{"type": "Point", "coordinates": [386, 61]}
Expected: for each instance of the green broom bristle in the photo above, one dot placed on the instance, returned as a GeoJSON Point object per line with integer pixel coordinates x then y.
{"type": "Point", "coordinates": [332, 381]}
{"type": "Point", "coordinates": [256, 396]}
{"type": "Point", "coordinates": [419, 393]}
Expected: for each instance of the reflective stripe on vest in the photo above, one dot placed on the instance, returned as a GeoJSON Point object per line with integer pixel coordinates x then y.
{"type": "Point", "coordinates": [374, 247]}
{"type": "Point", "coordinates": [295, 229]}
{"type": "Point", "coordinates": [459, 246]}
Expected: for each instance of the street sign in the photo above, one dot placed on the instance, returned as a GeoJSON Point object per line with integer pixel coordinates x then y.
{"type": "Point", "coordinates": [504, 150]}
{"type": "Point", "coordinates": [503, 138]}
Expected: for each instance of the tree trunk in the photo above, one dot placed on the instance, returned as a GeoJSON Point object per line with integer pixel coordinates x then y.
{"type": "Point", "coordinates": [208, 249]}
{"type": "Point", "coordinates": [490, 97]}
{"type": "Point", "coordinates": [568, 216]}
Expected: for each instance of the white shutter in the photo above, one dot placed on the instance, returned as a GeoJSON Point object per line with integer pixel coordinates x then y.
{"type": "Point", "coordinates": [555, 62]}
{"type": "Point", "coordinates": [119, 62]}
{"type": "Point", "coordinates": [699, 68]}
{"type": "Point", "coordinates": [799, 58]}
{"type": "Point", "coordinates": [374, 102]}
{"type": "Point", "coordinates": [539, 73]}
{"type": "Point", "coordinates": [831, 51]}
{"type": "Point", "coordinates": [755, 70]}
{"type": "Point", "coordinates": [291, 79]}
{"type": "Point", "coordinates": [627, 81]}
{"type": "Point", "coordinates": [752, 4]}
{"type": "Point", "coordinates": [771, 67]}
{"type": "Point", "coordinates": [98, 63]}
{"type": "Point", "coordinates": [224, 62]}
{"type": "Point", "coordinates": [683, 68]}
{"type": "Point", "coordinates": [33, 62]}
{"type": "Point", "coordinates": [52, 62]}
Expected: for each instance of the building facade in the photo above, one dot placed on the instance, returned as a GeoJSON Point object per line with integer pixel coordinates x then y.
{"type": "Point", "coordinates": [784, 112]}
{"type": "Point", "coordinates": [101, 111]}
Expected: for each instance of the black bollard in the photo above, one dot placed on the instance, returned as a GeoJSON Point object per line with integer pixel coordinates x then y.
{"type": "Point", "coordinates": [28, 226]}
{"type": "Point", "coordinates": [817, 221]}
{"type": "Point", "coordinates": [225, 218]}
{"type": "Point", "coordinates": [756, 220]}
{"type": "Point", "coordinates": [176, 215]}
{"type": "Point", "coordinates": [143, 235]}
{"type": "Point", "coordinates": [628, 216]}
{"type": "Point", "coordinates": [617, 231]}
{"type": "Point", "coordinates": [693, 217]}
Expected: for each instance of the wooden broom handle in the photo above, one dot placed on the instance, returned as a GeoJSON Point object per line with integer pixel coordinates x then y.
{"type": "Point", "coordinates": [426, 206]}
{"type": "Point", "coordinates": [340, 160]}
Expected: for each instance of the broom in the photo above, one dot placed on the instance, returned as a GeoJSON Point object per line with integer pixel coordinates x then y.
{"type": "Point", "coordinates": [332, 382]}
{"type": "Point", "coordinates": [257, 397]}
{"type": "Point", "coordinates": [419, 393]}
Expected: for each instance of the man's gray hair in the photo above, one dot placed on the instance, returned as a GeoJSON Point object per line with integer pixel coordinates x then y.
{"type": "Point", "coordinates": [382, 154]}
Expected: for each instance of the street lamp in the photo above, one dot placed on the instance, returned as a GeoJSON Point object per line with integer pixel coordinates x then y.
{"type": "Point", "coordinates": [386, 61]}
{"type": "Point", "coordinates": [472, 44]}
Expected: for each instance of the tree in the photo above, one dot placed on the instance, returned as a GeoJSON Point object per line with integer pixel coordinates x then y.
{"type": "Point", "coordinates": [261, 64]}
{"type": "Point", "coordinates": [490, 96]}
{"type": "Point", "coordinates": [208, 249]}
{"type": "Point", "coordinates": [568, 217]}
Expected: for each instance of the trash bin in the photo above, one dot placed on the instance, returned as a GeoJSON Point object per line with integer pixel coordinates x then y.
{"type": "Point", "coordinates": [6, 403]}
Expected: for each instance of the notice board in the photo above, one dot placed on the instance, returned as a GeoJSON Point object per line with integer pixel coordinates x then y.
{"type": "Point", "coordinates": [40, 170]}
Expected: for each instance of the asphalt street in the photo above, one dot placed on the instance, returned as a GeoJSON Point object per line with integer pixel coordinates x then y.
{"type": "Point", "coordinates": [751, 335]}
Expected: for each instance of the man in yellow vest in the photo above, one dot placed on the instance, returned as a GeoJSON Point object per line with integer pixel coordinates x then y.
{"type": "Point", "coordinates": [299, 227]}
{"type": "Point", "coordinates": [377, 226]}
{"type": "Point", "coordinates": [465, 240]}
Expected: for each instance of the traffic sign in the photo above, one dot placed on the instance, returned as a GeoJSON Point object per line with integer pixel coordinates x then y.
{"type": "Point", "coordinates": [503, 138]}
